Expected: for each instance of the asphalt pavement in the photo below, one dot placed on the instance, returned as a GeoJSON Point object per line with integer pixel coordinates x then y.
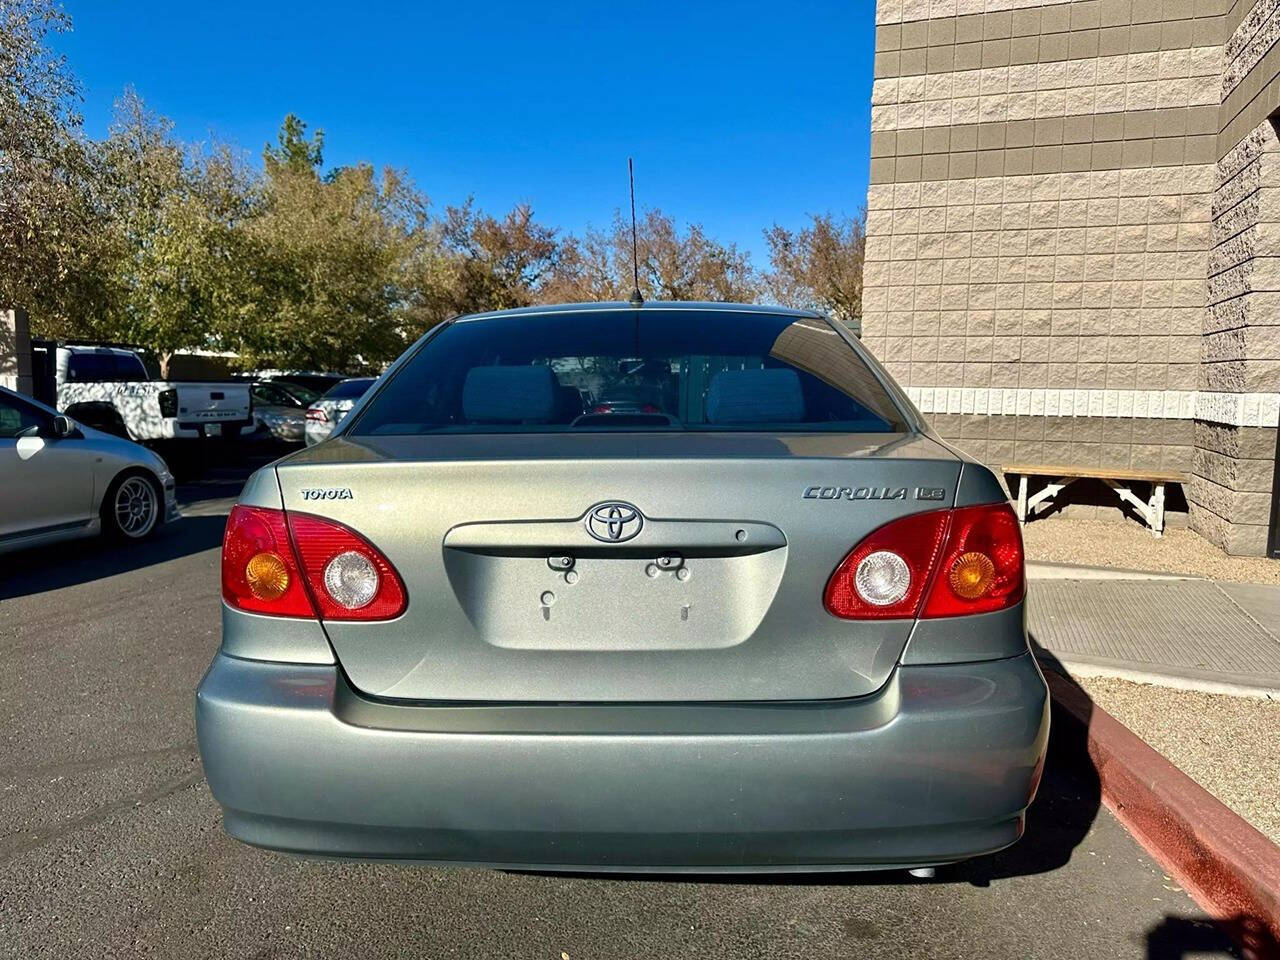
{"type": "Point", "coordinates": [111, 846]}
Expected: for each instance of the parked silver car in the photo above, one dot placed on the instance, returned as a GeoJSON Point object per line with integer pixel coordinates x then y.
{"type": "Point", "coordinates": [280, 409]}
{"type": "Point", "coordinates": [327, 412]}
{"type": "Point", "coordinates": [774, 623]}
{"type": "Point", "coordinates": [61, 480]}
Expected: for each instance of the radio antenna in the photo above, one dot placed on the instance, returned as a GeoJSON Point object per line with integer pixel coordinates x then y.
{"type": "Point", "coordinates": [636, 299]}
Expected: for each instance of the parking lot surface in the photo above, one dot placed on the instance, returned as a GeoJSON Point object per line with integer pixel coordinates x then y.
{"type": "Point", "coordinates": [111, 846]}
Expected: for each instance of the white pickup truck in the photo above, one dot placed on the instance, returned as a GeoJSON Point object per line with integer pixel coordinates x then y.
{"type": "Point", "coordinates": [109, 388]}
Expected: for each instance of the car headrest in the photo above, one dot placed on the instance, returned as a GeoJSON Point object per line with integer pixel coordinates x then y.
{"type": "Point", "coordinates": [771, 395]}
{"type": "Point", "coordinates": [509, 394]}
{"type": "Point", "coordinates": [570, 405]}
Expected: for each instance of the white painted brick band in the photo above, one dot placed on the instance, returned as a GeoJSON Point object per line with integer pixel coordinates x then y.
{"type": "Point", "coordinates": [1234, 409]}
{"type": "Point", "coordinates": [1137, 81]}
{"type": "Point", "coordinates": [903, 11]}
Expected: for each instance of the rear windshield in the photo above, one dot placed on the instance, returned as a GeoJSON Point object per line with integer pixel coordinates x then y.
{"type": "Point", "coordinates": [104, 367]}
{"type": "Point", "coordinates": [625, 370]}
{"type": "Point", "coordinates": [348, 390]}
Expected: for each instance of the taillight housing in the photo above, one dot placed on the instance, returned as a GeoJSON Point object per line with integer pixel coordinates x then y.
{"type": "Point", "coordinates": [300, 565]}
{"type": "Point", "coordinates": [260, 571]}
{"type": "Point", "coordinates": [941, 563]}
{"type": "Point", "coordinates": [168, 402]}
{"type": "Point", "coordinates": [317, 415]}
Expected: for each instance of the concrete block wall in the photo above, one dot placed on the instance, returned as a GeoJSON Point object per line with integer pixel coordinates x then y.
{"type": "Point", "coordinates": [1039, 215]}
{"type": "Point", "coordinates": [15, 351]}
{"type": "Point", "coordinates": [1047, 228]}
{"type": "Point", "coordinates": [1231, 492]}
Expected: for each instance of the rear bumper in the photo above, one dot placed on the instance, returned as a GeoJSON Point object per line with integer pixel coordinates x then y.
{"type": "Point", "coordinates": [938, 766]}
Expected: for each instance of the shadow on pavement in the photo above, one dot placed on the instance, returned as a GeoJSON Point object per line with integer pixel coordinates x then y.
{"type": "Point", "coordinates": [1068, 802]}
{"type": "Point", "coordinates": [1178, 937]}
{"type": "Point", "coordinates": [43, 569]}
{"type": "Point", "coordinates": [1174, 937]}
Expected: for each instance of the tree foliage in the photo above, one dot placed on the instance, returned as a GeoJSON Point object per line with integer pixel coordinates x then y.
{"type": "Point", "coordinates": [47, 174]}
{"type": "Point", "coordinates": [672, 264]}
{"type": "Point", "coordinates": [142, 238]}
{"type": "Point", "coordinates": [819, 266]}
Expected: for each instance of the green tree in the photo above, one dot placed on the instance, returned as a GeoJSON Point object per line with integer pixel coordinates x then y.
{"type": "Point", "coordinates": [338, 256]}
{"type": "Point", "coordinates": [819, 266]}
{"type": "Point", "coordinates": [293, 151]}
{"type": "Point", "coordinates": [176, 256]}
{"type": "Point", "coordinates": [49, 226]}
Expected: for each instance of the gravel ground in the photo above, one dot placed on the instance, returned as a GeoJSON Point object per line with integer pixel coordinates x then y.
{"type": "Point", "coordinates": [1226, 744]}
{"type": "Point", "coordinates": [1102, 543]}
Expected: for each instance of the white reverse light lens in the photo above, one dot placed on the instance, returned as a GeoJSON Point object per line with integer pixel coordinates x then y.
{"type": "Point", "coordinates": [351, 579]}
{"type": "Point", "coordinates": [882, 578]}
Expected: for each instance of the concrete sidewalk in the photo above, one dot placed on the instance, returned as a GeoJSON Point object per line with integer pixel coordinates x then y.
{"type": "Point", "coordinates": [1191, 634]}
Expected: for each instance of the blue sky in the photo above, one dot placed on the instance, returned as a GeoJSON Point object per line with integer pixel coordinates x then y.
{"type": "Point", "coordinates": [738, 114]}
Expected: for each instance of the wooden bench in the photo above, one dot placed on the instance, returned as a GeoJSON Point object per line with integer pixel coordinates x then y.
{"type": "Point", "coordinates": [1117, 478]}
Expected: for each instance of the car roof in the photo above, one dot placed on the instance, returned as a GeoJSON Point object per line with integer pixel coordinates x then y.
{"type": "Point", "coordinates": [115, 351]}
{"type": "Point", "coordinates": [621, 306]}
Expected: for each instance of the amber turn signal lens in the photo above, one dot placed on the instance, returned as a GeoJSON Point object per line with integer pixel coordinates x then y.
{"type": "Point", "coordinates": [267, 576]}
{"type": "Point", "coordinates": [972, 575]}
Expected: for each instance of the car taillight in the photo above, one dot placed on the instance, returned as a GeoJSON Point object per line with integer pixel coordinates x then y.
{"type": "Point", "coordinates": [299, 565]}
{"type": "Point", "coordinates": [942, 563]}
{"type": "Point", "coordinates": [260, 571]}
{"type": "Point", "coordinates": [168, 402]}
{"type": "Point", "coordinates": [982, 567]}
{"type": "Point", "coordinates": [885, 576]}
{"type": "Point", "coordinates": [317, 415]}
{"type": "Point", "coordinates": [602, 408]}
{"type": "Point", "coordinates": [349, 577]}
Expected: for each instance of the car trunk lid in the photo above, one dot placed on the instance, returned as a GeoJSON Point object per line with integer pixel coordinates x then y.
{"type": "Point", "coordinates": [625, 567]}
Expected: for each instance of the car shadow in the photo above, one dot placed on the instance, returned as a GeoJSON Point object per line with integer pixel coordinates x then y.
{"type": "Point", "coordinates": [1066, 805]}
{"type": "Point", "coordinates": [42, 569]}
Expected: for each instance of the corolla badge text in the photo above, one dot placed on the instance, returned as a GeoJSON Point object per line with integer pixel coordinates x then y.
{"type": "Point", "coordinates": [872, 493]}
{"type": "Point", "coordinates": [327, 493]}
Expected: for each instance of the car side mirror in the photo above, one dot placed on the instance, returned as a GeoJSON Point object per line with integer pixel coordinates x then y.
{"type": "Point", "coordinates": [64, 427]}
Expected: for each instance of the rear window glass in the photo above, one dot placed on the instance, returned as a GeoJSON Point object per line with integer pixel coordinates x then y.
{"type": "Point", "coordinates": [104, 368]}
{"type": "Point", "coordinates": [348, 389]}
{"type": "Point", "coordinates": [632, 370]}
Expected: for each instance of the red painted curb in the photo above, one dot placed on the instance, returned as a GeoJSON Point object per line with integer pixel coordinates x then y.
{"type": "Point", "coordinates": [1227, 866]}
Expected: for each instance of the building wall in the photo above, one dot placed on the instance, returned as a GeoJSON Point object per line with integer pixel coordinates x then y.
{"type": "Point", "coordinates": [15, 351]}
{"type": "Point", "coordinates": [1040, 224]}
{"type": "Point", "coordinates": [1231, 490]}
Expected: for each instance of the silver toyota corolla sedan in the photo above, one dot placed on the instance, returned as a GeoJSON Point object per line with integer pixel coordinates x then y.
{"type": "Point", "coordinates": [60, 480]}
{"type": "Point", "coordinates": [764, 620]}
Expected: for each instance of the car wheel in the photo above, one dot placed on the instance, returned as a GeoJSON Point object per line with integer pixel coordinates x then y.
{"type": "Point", "coordinates": [131, 509]}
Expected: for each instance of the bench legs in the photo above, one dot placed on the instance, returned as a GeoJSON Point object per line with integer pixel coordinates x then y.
{"type": "Point", "coordinates": [1151, 511]}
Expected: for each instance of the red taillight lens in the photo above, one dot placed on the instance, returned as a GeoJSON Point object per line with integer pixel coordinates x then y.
{"type": "Point", "coordinates": [349, 577]}
{"type": "Point", "coordinates": [602, 408]}
{"type": "Point", "coordinates": [293, 565]}
{"type": "Point", "coordinates": [982, 567]}
{"type": "Point", "coordinates": [943, 563]}
{"type": "Point", "coordinates": [317, 415]}
{"type": "Point", "coordinates": [915, 541]}
{"type": "Point", "coordinates": [260, 572]}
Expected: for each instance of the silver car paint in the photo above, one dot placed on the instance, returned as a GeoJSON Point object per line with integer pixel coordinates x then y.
{"type": "Point", "coordinates": [53, 488]}
{"type": "Point", "coordinates": [736, 628]}
{"type": "Point", "coordinates": [804, 742]}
